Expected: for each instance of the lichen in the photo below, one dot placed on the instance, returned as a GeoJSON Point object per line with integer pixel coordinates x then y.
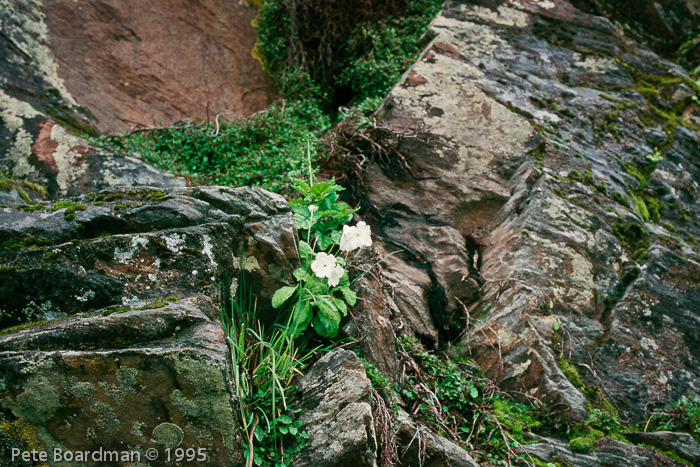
{"type": "Point", "coordinates": [168, 434]}
{"type": "Point", "coordinates": [37, 403]}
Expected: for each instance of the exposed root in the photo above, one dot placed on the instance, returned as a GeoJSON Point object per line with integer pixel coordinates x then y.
{"type": "Point", "coordinates": [353, 143]}
{"type": "Point", "coordinates": [384, 422]}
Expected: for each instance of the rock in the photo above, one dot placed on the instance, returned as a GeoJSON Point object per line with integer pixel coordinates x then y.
{"type": "Point", "coordinates": [606, 452]}
{"type": "Point", "coordinates": [35, 150]}
{"type": "Point", "coordinates": [117, 299]}
{"type": "Point", "coordinates": [371, 322]}
{"type": "Point", "coordinates": [681, 444]}
{"type": "Point", "coordinates": [119, 246]}
{"type": "Point", "coordinates": [336, 403]}
{"type": "Point", "coordinates": [110, 380]}
{"type": "Point", "coordinates": [420, 446]}
{"type": "Point", "coordinates": [666, 24]}
{"type": "Point", "coordinates": [534, 181]}
{"type": "Point", "coordinates": [107, 66]}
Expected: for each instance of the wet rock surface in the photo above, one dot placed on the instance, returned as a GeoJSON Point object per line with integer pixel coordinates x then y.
{"type": "Point", "coordinates": [553, 181]}
{"type": "Point", "coordinates": [336, 403]}
{"type": "Point", "coordinates": [666, 24]}
{"type": "Point", "coordinates": [115, 300]}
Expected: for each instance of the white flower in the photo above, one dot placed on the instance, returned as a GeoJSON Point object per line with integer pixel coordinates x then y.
{"type": "Point", "coordinates": [364, 234]}
{"type": "Point", "coordinates": [323, 265]}
{"type": "Point", "coordinates": [347, 241]}
{"type": "Point", "coordinates": [355, 237]}
{"type": "Point", "coordinates": [312, 209]}
{"type": "Point", "coordinates": [335, 275]}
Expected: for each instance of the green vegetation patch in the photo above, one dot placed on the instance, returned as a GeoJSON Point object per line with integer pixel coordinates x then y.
{"type": "Point", "coordinates": [319, 62]}
{"type": "Point", "coordinates": [633, 237]}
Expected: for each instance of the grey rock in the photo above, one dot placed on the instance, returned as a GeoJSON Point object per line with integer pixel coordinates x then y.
{"type": "Point", "coordinates": [117, 307]}
{"type": "Point", "coordinates": [681, 444]}
{"type": "Point", "coordinates": [523, 161]}
{"type": "Point", "coordinates": [336, 403]}
{"type": "Point", "coordinates": [606, 452]}
{"type": "Point", "coordinates": [420, 446]}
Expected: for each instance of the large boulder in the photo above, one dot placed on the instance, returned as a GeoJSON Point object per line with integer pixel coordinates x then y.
{"type": "Point", "coordinates": [108, 65]}
{"type": "Point", "coordinates": [548, 212]}
{"type": "Point", "coordinates": [111, 314]}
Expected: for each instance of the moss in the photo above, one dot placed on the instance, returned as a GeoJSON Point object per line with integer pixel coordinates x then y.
{"type": "Point", "coordinates": [574, 176]}
{"type": "Point", "coordinates": [570, 372]}
{"type": "Point", "coordinates": [620, 199]}
{"type": "Point", "coordinates": [601, 188]}
{"type": "Point", "coordinates": [633, 237]}
{"type": "Point", "coordinates": [118, 207]}
{"type": "Point", "coordinates": [517, 418]}
{"type": "Point", "coordinates": [28, 242]}
{"type": "Point", "coordinates": [30, 207]}
{"type": "Point", "coordinates": [70, 208]}
{"type": "Point", "coordinates": [642, 175]}
{"type": "Point", "coordinates": [157, 196]}
{"type": "Point", "coordinates": [108, 197]}
{"type": "Point", "coordinates": [9, 268]}
{"type": "Point", "coordinates": [641, 206]}
{"type": "Point", "coordinates": [116, 311]}
{"type": "Point", "coordinates": [582, 444]}
{"type": "Point", "coordinates": [192, 251]}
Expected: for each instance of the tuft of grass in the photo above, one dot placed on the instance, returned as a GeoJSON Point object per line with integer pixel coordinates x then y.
{"type": "Point", "coordinates": [265, 361]}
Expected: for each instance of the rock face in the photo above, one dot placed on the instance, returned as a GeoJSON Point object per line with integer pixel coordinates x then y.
{"type": "Point", "coordinates": [34, 149]}
{"type": "Point", "coordinates": [681, 444]}
{"type": "Point", "coordinates": [553, 182]}
{"type": "Point", "coordinates": [118, 297]}
{"type": "Point", "coordinates": [607, 452]}
{"type": "Point", "coordinates": [666, 23]}
{"type": "Point", "coordinates": [336, 403]}
{"type": "Point", "coordinates": [109, 65]}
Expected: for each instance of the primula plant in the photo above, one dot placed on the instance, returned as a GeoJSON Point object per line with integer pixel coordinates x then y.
{"type": "Point", "coordinates": [322, 294]}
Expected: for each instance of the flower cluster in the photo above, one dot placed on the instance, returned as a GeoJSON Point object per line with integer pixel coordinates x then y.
{"type": "Point", "coordinates": [326, 265]}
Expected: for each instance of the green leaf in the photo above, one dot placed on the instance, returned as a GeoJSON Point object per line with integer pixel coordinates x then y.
{"type": "Point", "coordinates": [284, 419]}
{"type": "Point", "coordinates": [302, 217]}
{"type": "Point", "coordinates": [342, 307]}
{"type": "Point", "coordinates": [301, 187]}
{"type": "Point", "coordinates": [556, 325]}
{"type": "Point", "coordinates": [473, 392]}
{"type": "Point", "coordinates": [293, 430]}
{"type": "Point", "coordinates": [259, 433]}
{"type": "Point", "coordinates": [349, 296]}
{"type": "Point", "coordinates": [327, 320]}
{"type": "Point", "coordinates": [336, 235]}
{"type": "Point", "coordinates": [305, 249]}
{"type": "Point", "coordinates": [301, 319]}
{"type": "Point", "coordinates": [324, 241]}
{"type": "Point", "coordinates": [300, 274]}
{"type": "Point", "coordinates": [282, 295]}
{"type": "Point", "coordinates": [284, 429]}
